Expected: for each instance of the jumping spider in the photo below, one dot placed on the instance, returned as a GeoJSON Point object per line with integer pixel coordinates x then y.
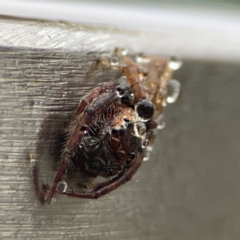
{"type": "Point", "coordinates": [113, 124]}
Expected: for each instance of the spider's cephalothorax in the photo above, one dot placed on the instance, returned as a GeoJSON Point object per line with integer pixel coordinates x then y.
{"type": "Point", "coordinates": [112, 126]}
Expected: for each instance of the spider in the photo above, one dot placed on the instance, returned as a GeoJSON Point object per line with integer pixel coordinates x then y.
{"type": "Point", "coordinates": [113, 125]}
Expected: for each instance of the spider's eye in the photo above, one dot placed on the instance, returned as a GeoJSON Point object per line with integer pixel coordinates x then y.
{"type": "Point", "coordinates": [120, 91]}
{"type": "Point", "coordinates": [145, 109]}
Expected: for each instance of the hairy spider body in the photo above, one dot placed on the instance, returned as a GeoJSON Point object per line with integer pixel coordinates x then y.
{"type": "Point", "coordinates": [109, 144]}
{"type": "Point", "coordinates": [112, 126]}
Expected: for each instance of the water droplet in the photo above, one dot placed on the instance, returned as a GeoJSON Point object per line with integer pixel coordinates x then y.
{"type": "Point", "coordinates": [160, 120]}
{"type": "Point", "coordinates": [161, 125]}
{"type": "Point", "coordinates": [114, 61]}
{"type": "Point", "coordinates": [173, 90]}
{"type": "Point", "coordinates": [149, 149]}
{"type": "Point", "coordinates": [124, 52]}
{"type": "Point", "coordinates": [139, 58]}
{"type": "Point", "coordinates": [175, 62]}
{"type": "Point", "coordinates": [146, 157]}
{"type": "Point", "coordinates": [62, 186]}
{"type": "Point", "coordinates": [145, 110]}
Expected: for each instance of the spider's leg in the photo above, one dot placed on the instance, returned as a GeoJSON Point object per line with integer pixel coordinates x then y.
{"type": "Point", "coordinates": [77, 134]}
{"type": "Point", "coordinates": [65, 162]}
{"type": "Point", "coordinates": [92, 95]}
{"type": "Point", "coordinates": [40, 193]}
{"type": "Point", "coordinates": [35, 172]}
{"type": "Point", "coordinates": [111, 185]}
{"type": "Point", "coordinates": [131, 71]}
{"type": "Point", "coordinates": [137, 89]}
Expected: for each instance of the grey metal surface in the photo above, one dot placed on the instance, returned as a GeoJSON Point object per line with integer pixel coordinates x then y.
{"type": "Point", "coordinates": [196, 30]}
{"type": "Point", "coordinates": [187, 190]}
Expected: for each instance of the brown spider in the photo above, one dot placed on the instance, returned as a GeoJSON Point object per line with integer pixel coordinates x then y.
{"type": "Point", "coordinates": [113, 124]}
